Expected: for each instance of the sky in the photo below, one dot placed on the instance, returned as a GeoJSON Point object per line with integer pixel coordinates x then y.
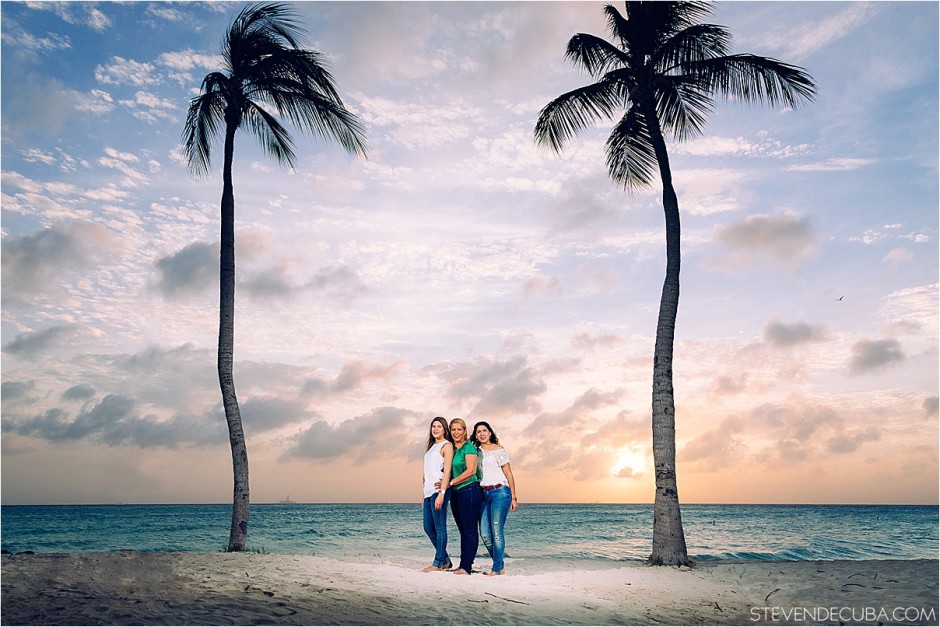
{"type": "Point", "coordinates": [463, 271]}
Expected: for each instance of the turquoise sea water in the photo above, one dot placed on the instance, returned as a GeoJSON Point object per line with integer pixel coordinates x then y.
{"type": "Point", "coordinates": [376, 532]}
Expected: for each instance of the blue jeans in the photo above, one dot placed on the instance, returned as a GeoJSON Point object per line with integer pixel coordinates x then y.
{"type": "Point", "coordinates": [465, 504]}
{"type": "Point", "coordinates": [435, 525]}
{"type": "Point", "coordinates": [496, 504]}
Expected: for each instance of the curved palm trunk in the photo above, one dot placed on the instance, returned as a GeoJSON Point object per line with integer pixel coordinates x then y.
{"type": "Point", "coordinates": [668, 537]}
{"type": "Point", "coordinates": [240, 504]}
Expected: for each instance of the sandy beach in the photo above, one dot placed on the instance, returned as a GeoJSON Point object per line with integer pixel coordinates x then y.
{"type": "Point", "coordinates": [136, 588]}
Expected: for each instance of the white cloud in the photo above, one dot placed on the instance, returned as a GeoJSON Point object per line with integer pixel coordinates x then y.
{"type": "Point", "coordinates": [123, 71]}
{"type": "Point", "coordinates": [832, 165]}
{"type": "Point", "coordinates": [811, 38]}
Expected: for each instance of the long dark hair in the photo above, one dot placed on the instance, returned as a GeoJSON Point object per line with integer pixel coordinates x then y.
{"type": "Point", "coordinates": [493, 438]}
{"type": "Point", "coordinates": [447, 435]}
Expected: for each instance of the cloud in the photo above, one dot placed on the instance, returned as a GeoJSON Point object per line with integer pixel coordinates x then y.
{"type": "Point", "coordinates": [266, 413]}
{"type": "Point", "coordinates": [502, 386]}
{"type": "Point", "coordinates": [340, 283]}
{"type": "Point", "coordinates": [37, 263]}
{"type": "Point", "coordinates": [34, 344]}
{"type": "Point", "coordinates": [150, 108]}
{"type": "Point", "coordinates": [378, 434]}
{"type": "Point", "coordinates": [871, 355]}
{"type": "Point", "coordinates": [190, 270]}
{"type": "Point", "coordinates": [786, 238]}
{"type": "Point", "coordinates": [38, 105]}
{"type": "Point", "coordinates": [793, 432]}
{"type": "Point", "coordinates": [578, 414]}
{"type": "Point", "coordinates": [579, 442]}
{"type": "Point", "coordinates": [81, 13]}
{"type": "Point", "coordinates": [539, 287]}
{"type": "Point", "coordinates": [849, 443]}
{"type": "Point", "coordinates": [420, 125]}
{"type": "Point", "coordinates": [27, 41]}
{"type": "Point", "coordinates": [898, 256]}
{"type": "Point", "coordinates": [822, 33]}
{"type": "Point", "coordinates": [912, 308]}
{"type": "Point", "coordinates": [165, 12]}
{"type": "Point", "coordinates": [126, 72]}
{"type": "Point", "coordinates": [716, 448]}
{"type": "Point", "coordinates": [181, 378]}
{"type": "Point", "coordinates": [81, 392]}
{"type": "Point", "coordinates": [13, 391]}
{"type": "Point", "coordinates": [930, 406]}
{"type": "Point", "coordinates": [782, 335]}
{"type": "Point", "coordinates": [726, 385]}
{"type": "Point", "coordinates": [267, 284]}
{"type": "Point", "coordinates": [762, 146]}
{"type": "Point", "coordinates": [624, 430]}
{"type": "Point", "coordinates": [353, 375]}
{"type": "Point", "coordinates": [97, 102]}
{"type": "Point", "coordinates": [794, 421]}
{"type": "Point", "coordinates": [585, 341]}
{"type": "Point", "coordinates": [115, 421]}
{"type": "Point", "coordinates": [831, 165]}
{"type": "Point", "coordinates": [121, 161]}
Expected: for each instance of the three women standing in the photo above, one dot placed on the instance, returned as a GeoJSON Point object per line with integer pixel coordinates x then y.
{"type": "Point", "coordinates": [437, 470]}
{"type": "Point", "coordinates": [499, 493]}
{"type": "Point", "coordinates": [481, 493]}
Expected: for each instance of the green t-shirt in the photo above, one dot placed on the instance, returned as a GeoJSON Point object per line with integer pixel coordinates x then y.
{"type": "Point", "coordinates": [460, 464]}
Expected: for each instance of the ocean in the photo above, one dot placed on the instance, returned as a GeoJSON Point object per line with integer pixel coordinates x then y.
{"type": "Point", "coordinates": [393, 532]}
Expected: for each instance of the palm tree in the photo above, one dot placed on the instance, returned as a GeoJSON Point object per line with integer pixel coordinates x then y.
{"type": "Point", "coordinates": [663, 72]}
{"type": "Point", "coordinates": [264, 68]}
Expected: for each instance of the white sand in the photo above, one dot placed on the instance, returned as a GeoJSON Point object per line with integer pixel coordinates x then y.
{"type": "Point", "coordinates": [128, 587]}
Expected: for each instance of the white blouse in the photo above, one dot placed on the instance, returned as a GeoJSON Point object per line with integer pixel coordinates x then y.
{"type": "Point", "coordinates": [493, 461]}
{"type": "Point", "coordinates": [433, 468]}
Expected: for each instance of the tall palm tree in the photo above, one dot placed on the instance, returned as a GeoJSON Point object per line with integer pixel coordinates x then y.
{"type": "Point", "coordinates": [663, 71]}
{"type": "Point", "coordinates": [264, 68]}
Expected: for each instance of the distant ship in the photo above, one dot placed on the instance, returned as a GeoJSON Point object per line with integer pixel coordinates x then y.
{"type": "Point", "coordinates": [287, 500]}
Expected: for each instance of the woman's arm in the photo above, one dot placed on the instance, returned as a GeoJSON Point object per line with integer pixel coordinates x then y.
{"type": "Point", "coordinates": [512, 486]}
{"type": "Point", "coordinates": [447, 451]}
{"type": "Point", "coordinates": [471, 470]}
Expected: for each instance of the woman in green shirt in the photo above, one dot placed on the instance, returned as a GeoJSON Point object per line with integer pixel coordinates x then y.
{"type": "Point", "coordinates": [466, 498]}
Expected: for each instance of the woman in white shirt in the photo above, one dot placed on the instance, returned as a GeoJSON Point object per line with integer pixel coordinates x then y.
{"type": "Point", "coordinates": [499, 493]}
{"type": "Point", "coordinates": [437, 466]}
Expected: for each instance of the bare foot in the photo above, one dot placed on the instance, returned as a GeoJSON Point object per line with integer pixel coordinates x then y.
{"type": "Point", "coordinates": [493, 573]}
{"type": "Point", "coordinates": [429, 569]}
{"type": "Point", "coordinates": [460, 571]}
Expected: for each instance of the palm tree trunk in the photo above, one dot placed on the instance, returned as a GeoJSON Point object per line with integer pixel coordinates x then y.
{"type": "Point", "coordinates": [668, 537]}
{"type": "Point", "coordinates": [240, 503]}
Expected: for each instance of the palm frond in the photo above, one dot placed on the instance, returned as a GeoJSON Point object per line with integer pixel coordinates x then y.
{"type": "Point", "coordinates": [257, 30]}
{"type": "Point", "coordinates": [292, 66]}
{"type": "Point", "coordinates": [681, 106]}
{"type": "Point", "coordinates": [594, 54]}
{"type": "Point", "coordinates": [205, 120]}
{"type": "Point", "coordinates": [618, 25]}
{"type": "Point", "coordinates": [755, 79]}
{"type": "Point", "coordinates": [273, 137]}
{"type": "Point", "coordinates": [568, 114]}
{"type": "Point", "coordinates": [330, 120]}
{"type": "Point", "coordinates": [631, 161]}
{"type": "Point", "coordinates": [651, 23]}
{"type": "Point", "coordinates": [692, 44]}
{"type": "Point", "coordinates": [265, 67]}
